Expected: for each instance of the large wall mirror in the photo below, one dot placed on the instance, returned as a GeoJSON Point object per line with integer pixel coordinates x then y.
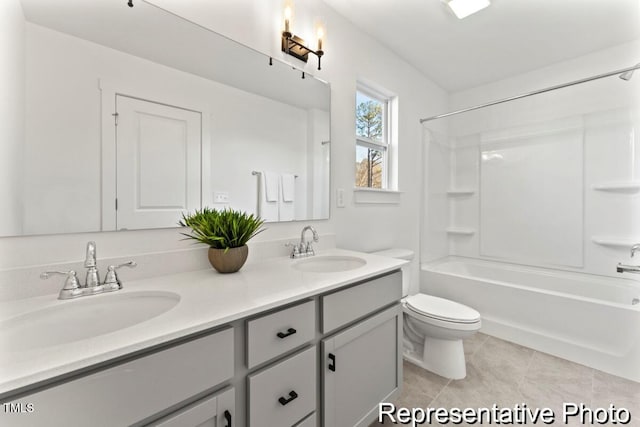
{"type": "Point", "coordinates": [123, 118]}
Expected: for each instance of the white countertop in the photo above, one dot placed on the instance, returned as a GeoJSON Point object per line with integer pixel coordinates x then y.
{"type": "Point", "coordinates": [207, 300]}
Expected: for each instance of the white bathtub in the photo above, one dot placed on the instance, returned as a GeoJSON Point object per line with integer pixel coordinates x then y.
{"type": "Point", "coordinates": [592, 320]}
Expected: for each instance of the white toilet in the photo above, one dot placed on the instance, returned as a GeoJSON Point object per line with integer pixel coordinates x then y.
{"type": "Point", "coordinates": [433, 327]}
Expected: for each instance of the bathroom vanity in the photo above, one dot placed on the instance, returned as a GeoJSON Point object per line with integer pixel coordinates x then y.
{"type": "Point", "coordinates": [281, 343]}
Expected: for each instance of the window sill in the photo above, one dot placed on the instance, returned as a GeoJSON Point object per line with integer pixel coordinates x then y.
{"type": "Point", "coordinates": [363, 195]}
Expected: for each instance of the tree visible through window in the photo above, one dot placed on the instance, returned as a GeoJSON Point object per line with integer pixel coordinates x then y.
{"type": "Point", "coordinates": [371, 140]}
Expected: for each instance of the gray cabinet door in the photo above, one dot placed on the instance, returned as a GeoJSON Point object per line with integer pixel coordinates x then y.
{"type": "Point", "coordinates": [213, 411]}
{"type": "Point", "coordinates": [362, 366]}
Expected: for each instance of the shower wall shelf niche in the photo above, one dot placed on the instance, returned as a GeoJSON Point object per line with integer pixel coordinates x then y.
{"type": "Point", "coordinates": [461, 231]}
{"type": "Point", "coordinates": [614, 242]}
{"type": "Point", "coordinates": [620, 186]}
{"type": "Point", "coordinates": [460, 192]}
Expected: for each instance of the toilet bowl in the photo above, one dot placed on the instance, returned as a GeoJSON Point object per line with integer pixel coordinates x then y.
{"type": "Point", "coordinates": [434, 327]}
{"type": "Point", "coordinates": [433, 332]}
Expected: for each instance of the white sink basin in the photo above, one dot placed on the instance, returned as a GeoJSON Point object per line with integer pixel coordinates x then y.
{"type": "Point", "coordinates": [86, 317]}
{"type": "Point", "coordinates": [329, 264]}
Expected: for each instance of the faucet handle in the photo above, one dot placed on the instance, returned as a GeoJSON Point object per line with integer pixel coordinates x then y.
{"type": "Point", "coordinates": [71, 288]}
{"type": "Point", "coordinates": [111, 280]}
{"type": "Point", "coordinates": [295, 251]}
{"type": "Point", "coordinates": [634, 249]}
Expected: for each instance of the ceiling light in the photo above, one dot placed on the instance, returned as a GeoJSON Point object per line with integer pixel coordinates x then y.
{"type": "Point", "coordinates": [464, 8]}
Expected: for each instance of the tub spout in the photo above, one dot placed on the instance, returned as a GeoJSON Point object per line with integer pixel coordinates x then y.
{"type": "Point", "coordinates": [623, 268]}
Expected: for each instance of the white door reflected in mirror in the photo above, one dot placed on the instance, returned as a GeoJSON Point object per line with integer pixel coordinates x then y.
{"type": "Point", "coordinates": [158, 163]}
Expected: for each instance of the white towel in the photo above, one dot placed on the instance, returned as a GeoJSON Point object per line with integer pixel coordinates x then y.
{"type": "Point", "coordinates": [267, 210]}
{"type": "Point", "coordinates": [287, 211]}
{"type": "Point", "coordinates": [271, 185]}
{"type": "Point", "coordinates": [287, 191]}
{"type": "Point", "coordinates": [288, 187]}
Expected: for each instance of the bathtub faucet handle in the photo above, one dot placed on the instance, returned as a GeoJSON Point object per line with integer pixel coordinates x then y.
{"type": "Point", "coordinates": [635, 248]}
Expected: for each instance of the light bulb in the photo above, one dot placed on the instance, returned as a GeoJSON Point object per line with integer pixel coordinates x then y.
{"type": "Point", "coordinates": [287, 18]}
{"type": "Point", "coordinates": [320, 33]}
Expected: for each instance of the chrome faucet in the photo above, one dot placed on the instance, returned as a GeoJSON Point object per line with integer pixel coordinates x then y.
{"type": "Point", "coordinates": [624, 268]}
{"type": "Point", "coordinates": [72, 287]}
{"type": "Point", "coordinates": [304, 248]}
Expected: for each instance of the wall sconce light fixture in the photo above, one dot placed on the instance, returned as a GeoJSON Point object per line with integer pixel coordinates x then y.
{"type": "Point", "coordinates": [294, 45]}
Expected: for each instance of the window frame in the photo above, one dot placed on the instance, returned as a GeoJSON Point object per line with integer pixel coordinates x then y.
{"type": "Point", "coordinates": [383, 146]}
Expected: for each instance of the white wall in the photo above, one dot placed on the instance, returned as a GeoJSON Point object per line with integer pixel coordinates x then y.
{"type": "Point", "coordinates": [600, 96]}
{"type": "Point", "coordinates": [538, 205]}
{"type": "Point", "coordinates": [319, 162]}
{"type": "Point", "coordinates": [62, 137]}
{"type": "Point", "coordinates": [12, 86]}
{"type": "Point", "coordinates": [259, 134]}
{"type": "Point", "coordinates": [350, 56]}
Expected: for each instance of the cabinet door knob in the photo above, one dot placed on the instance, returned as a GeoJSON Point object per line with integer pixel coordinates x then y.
{"type": "Point", "coordinates": [292, 396]}
{"type": "Point", "coordinates": [290, 331]}
{"type": "Point", "coordinates": [332, 364]}
{"type": "Point", "coordinates": [227, 417]}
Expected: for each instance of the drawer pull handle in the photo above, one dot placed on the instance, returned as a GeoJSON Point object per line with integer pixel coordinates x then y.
{"type": "Point", "coordinates": [227, 417]}
{"type": "Point", "coordinates": [292, 396]}
{"type": "Point", "coordinates": [332, 364]}
{"type": "Point", "coordinates": [290, 331]}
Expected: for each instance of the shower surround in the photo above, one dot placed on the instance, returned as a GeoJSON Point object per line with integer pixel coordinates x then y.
{"type": "Point", "coordinates": [541, 196]}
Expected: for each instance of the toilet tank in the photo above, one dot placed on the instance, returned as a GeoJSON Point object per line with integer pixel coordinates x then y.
{"type": "Point", "coordinates": [406, 254]}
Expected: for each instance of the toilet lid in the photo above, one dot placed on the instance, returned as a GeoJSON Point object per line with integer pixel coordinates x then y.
{"type": "Point", "coordinates": [442, 309]}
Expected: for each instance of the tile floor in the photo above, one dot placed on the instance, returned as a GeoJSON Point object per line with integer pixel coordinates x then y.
{"type": "Point", "coordinates": [507, 374]}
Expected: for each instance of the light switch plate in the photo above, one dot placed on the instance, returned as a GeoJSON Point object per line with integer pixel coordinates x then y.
{"type": "Point", "coordinates": [220, 197]}
{"type": "Point", "coordinates": [340, 197]}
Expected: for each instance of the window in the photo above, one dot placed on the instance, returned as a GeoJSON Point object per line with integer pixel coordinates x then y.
{"type": "Point", "coordinates": [372, 139]}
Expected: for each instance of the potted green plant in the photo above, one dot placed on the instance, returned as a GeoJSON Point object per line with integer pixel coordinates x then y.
{"type": "Point", "coordinates": [226, 232]}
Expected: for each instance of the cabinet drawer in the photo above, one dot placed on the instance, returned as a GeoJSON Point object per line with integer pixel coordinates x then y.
{"type": "Point", "coordinates": [342, 307]}
{"type": "Point", "coordinates": [130, 392]}
{"type": "Point", "coordinates": [274, 334]}
{"type": "Point", "coordinates": [283, 394]}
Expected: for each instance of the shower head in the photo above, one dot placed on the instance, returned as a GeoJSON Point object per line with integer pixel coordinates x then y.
{"type": "Point", "coordinates": [628, 74]}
